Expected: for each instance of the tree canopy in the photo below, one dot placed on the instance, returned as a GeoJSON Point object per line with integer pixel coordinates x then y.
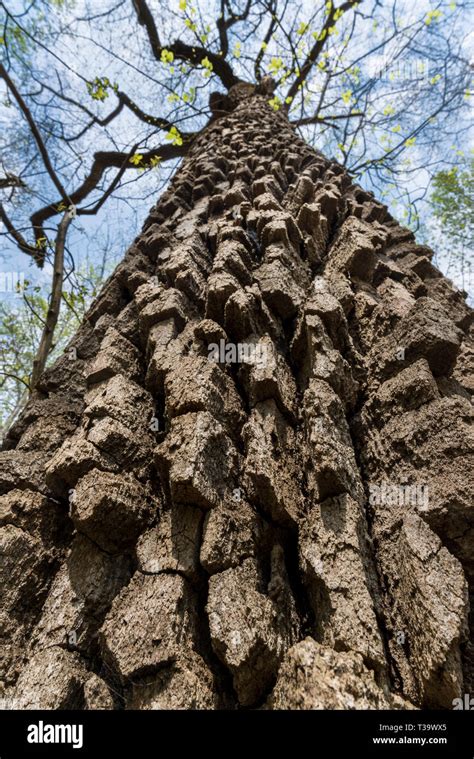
{"type": "Point", "coordinates": [452, 202]}
{"type": "Point", "coordinates": [98, 98]}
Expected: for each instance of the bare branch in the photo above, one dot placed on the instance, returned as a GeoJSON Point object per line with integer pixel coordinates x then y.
{"type": "Point", "coordinates": [325, 119]}
{"type": "Point", "coordinates": [147, 118]}
{"type": "Point", "coordinates": [31, 250]}
{"type": "Point", "coordinates": [224, 24]}
{"type": "Point", "coordinates": [266, 40]}
{"type": "Point", "coordinates": [181, 50]}
{"type": "Point", "coordinates": [35, 132]}
{"type": "Point", "coordinates": [102, 161]}
{"type": "Point", "coordinates": [317, 48]}
{"type": "Point", "coordinates": [47, 335]}
{"type": "Point", "coordinates": [10, 180]}
{"type": "Point", "coordinates": [145, 18]}
{"type": "Point", "coordinates": [92, 211]}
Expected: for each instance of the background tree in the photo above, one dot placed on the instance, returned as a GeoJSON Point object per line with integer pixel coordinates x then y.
{"type": "Point", "coordinates": [452, 203]}
{"type": "Point", "coordinates": [22, 321]}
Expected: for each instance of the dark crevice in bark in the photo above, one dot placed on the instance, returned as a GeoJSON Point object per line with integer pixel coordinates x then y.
{"type": "Point", "coordinates": [381, 590]}
{"type": "Point", "coordinates": [223, 678]}
{"type": "Point", "coordinates": [308, 620]}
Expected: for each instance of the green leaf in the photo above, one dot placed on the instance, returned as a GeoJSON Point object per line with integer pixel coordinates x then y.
{"type": "Point", "coordinates": [275, 65]}
{"type": "Point", "coordinates": [275, 103]}
{"type": "Point", "coordinates": [206, 63]}
{"type": "Point", "coordinates": [98, 88]}
{"type": "Point", "coordinates": [432, 16]}
{"type": "Point", "coordinates": [174, 136]}
{"type": "Point", "coordinates": [167, 56]}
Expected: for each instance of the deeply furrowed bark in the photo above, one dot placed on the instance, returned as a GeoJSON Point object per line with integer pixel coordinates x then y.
{"type": "Point", "coordinates": [182, 532]}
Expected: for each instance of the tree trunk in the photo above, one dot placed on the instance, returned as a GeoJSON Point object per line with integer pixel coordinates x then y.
{"type": "Point", "coordinates": [246, 482]}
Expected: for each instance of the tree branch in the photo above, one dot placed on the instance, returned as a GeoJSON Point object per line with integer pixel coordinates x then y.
{"type": "Point", "coordinates": [47, 335]}
{"type": "Point", "coordinates": [181, 50]}
{"type": "Point", "coordinates": [224, 24]}
{"type": "Point", "coordinates": [315, 51]}
{"type": "Point", "coordinates": [102, 161]}
{"type": "Point", "coordinates": [154, 120]}
{"type": "Point", "coordinates": [145, 18]}
{"type": "Point", "coordinates": [266, 40]}
{"type": "Point", "coordinates": [35, 132]}
{"type": "Point", "coordinates": [193, 54]}
{"type": "Point", "coordinates": [92, 211]}
{"type": "Point", "coordinates": [37, 253]}
{"type": "Point", "coordinates": [325, 119]}
{"type": "Point", "coordinates": [11, 180]}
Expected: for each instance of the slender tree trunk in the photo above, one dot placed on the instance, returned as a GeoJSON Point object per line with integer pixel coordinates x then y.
{"type": "Point", "coordinates": [52, 316]}
{"type": "Point", "coordinates": [246, 482]}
